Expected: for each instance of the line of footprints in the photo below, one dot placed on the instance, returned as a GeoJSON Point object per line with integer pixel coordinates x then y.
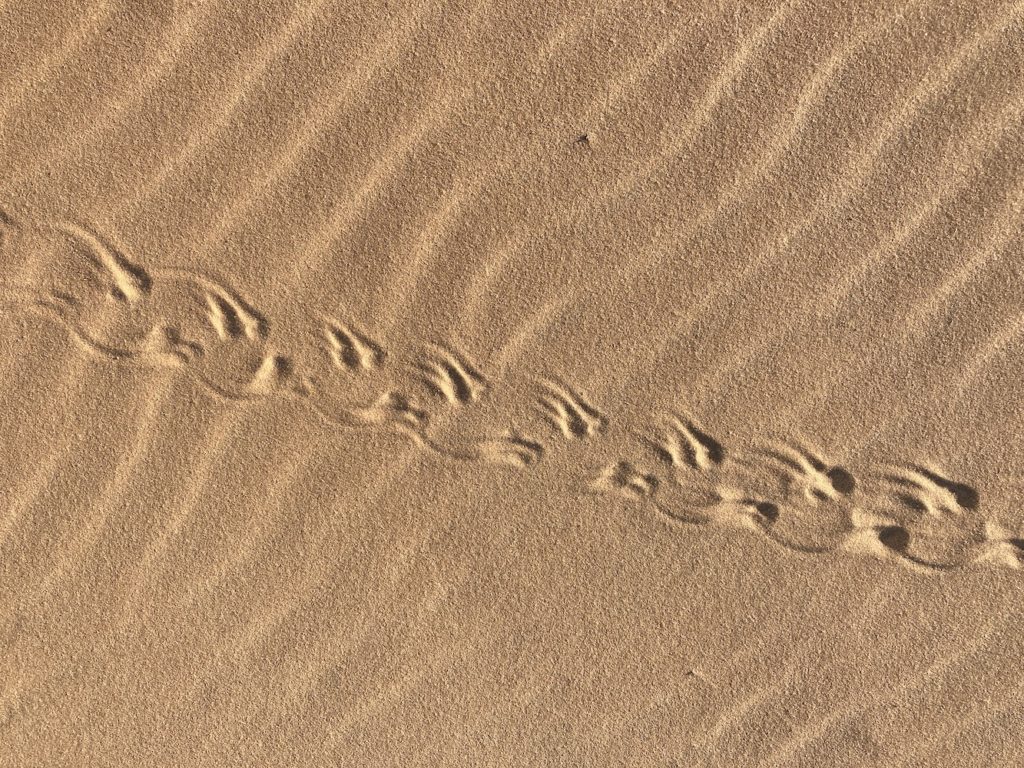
{"type": "Point", "coordinates": [117, 310]}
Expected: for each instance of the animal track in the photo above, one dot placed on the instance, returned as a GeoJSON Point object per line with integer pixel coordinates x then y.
{"type": "Point", "coordinates": [128, 282]}
{"type": "Point", "coordinates": [933, 521]}
{"type": "Point", "coordinates": [230, 316]}
{"type": "Point", "coordinates": [165, 345]}
{"type": "Point", "coordinates": [936, 491]}
{"type": "Point", "coordinates": [623, 477]}
{"type": "Point", "coordinates": [815, 501]}
{"type": "Point", "coordinates": [277, 373]}
{"type": "Point", "coordinates": [683, 443]}
{"type": "Point", "coordinates": [224, 318]}
{"type": "Point", "coordinates": [452, 377]}
{"type": "Point", "coordinates": [113, 308]}
{"type": "Point", "coordinates": [351, 350]}
{"type": "Point", "coordinates": [810, 475]}
{"type": "Point", "coordinates": [570, 413]}
{"type": "Point", "coordinates": [509, 448]}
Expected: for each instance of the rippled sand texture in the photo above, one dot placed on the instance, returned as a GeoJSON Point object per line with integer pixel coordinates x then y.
{"type": "Point", "coordinates": [511, 384]}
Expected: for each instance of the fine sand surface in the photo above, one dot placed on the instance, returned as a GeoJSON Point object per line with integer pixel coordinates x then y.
{"type": "Point", "coordinates": [421, 383]}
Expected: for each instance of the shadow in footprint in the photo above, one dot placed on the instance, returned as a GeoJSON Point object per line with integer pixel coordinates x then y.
{"type": "Point", "coordinates": [567, 411]}
{"type": "Point", "coordinates": [966, 496]}
{"type": "Point", "coordinates": [449, 375]}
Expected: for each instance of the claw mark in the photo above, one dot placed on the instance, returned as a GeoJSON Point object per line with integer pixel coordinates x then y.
{"type": "Point", "coordinates": [229, 314]}
{"type": "Point", "coordinates": [934, 486]}
{"type": "Point", "coordinates": [452, 377]}
{"type": "Point", "coordinates": [623, 477]}
{"type": "Point", "coordinates": [165, 344]}
{"type": "Point", "coordinates": [965, 496]}
{"type": "Point", "coordinates": [223, 318]}
{"type": "Point", "coordinates": [508, 448]}
{"type": "Point", "coordinates": [511, 448]}
{"type": "Point", "coordinates": [350, 349]}
{"type": "Point", "coordinates": [820, 480]}
{"type": "Point", "coordinates": [272, 373]}
{"type": "Point", "coordinates": [569, 412]}
{"type": "Point", "coordinates": [394, 408]}
{"type": "Point", "coordinates": [684, 442]}
{"type": "Point", "coordinates": [277, 374]}
{"type": "Point", "coordinates": [231, 318]}
{"type": "Point", "coordinates": [129, 281]}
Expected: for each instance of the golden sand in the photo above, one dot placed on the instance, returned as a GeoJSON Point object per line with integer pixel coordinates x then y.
{"type": "Point", "coordinates": [498, 384]}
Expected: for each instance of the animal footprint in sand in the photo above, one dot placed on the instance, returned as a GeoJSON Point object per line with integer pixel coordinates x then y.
{"type": "Point", "coordinates": [683, 444]}
{"type": "Point", "coordinates": [230, 317]}
{"type": "Point", "coordinates": [512, 448]}
{"type": "Point", "coordinates": [393, 408]}
{"type": "Point", "coordinates": [449, 375]}
{"type": "Point", "coordinates": [696, 467]}
{"type": "Point", "coordinates": [164, 345]}
{"type": "Point", "coordinates": [227, 336]}
{"type": "Point", "coordinates": [85, 284]}
{"type": "Point", "coordinates": [622, 477]}
{"type": "Point", "coordinates": [509, 448]}
{"type": "Point", "coordinates": [351, 350]}
{"type": "Point", "coordinates": [363, 359]}
{"type": "Point", "coordinates": [355, 354]}
{"type": "Point", "coordinates": [815, 502]}
{"type": "Point", "coordinates": [121, 280]}
{"type": "Point", "coordinates": [787, 495]}
{"type": "Point", "coordinates": [930, 521]}
{"type": "Point", "coordinates": [118, 310]}
{"type": "Point", "coordinates": [569, 413]}
{"type": "Point", "coordinates": [276, 374]}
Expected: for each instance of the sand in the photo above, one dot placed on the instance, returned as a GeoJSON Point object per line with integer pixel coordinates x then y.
{"type": "Point", "coordinates": [498, 384]}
